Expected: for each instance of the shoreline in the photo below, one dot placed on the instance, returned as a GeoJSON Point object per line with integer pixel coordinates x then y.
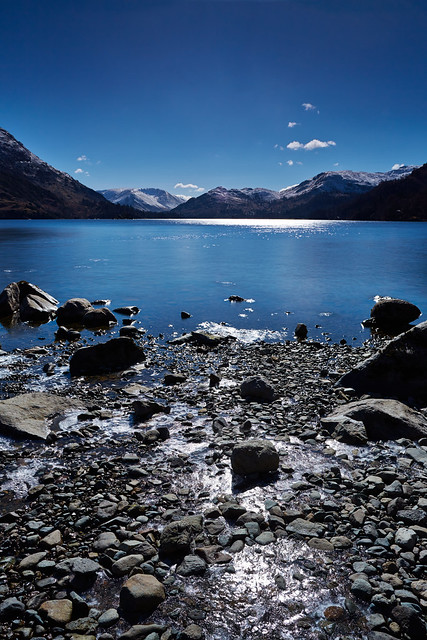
{"type": "Point", "coordinates": [108, 472]}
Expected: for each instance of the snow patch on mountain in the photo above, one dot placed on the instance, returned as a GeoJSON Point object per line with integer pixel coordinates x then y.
{"type": "Point", "coordinates": [148, 199]}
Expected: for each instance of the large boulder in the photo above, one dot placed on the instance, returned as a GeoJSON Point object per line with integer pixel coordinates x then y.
{"type": "Point", "coordinates": [115, 355]}
{"type": "Point", "coordinates": [73, 311]}
{"type": "Point", "coordinates": [98, 318]}
{"type": "Point", "coordinates": [176, 537]}
{"type": "Point", "coordinates": [399, 369]}
{"type": "Point", "coordinates": [254, 456]}
{"type": "Point", "coordinates": [257, 388]}
{"type": "Point", "coordinates": [392, 312]}
{"type": "Point", "coordinates": [29, 301]}
{"type": "Point", "coordinates": [141, 594]}
{"type": "Point", "coordinates": [32, 414]}
{"type": "Point", "coordinates": [382, 419]}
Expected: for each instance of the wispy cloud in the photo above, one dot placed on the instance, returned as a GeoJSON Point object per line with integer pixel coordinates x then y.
{"type": "Point", "coordinates": [80, 171]}
{"type": "Point", "coordinates": [193, 187]}
{"type": "Point", "coordinates": [307, 106]}
{"type": "Point", "coordinates": [82, 158]}
{"type": "Point", "coordinates": [397, 166]}
{"type": "Point", "coordinates": [279, 146]}
{"type": "Point", "coordinates": [310, 146]}
{"type": "Point", "coordinates": [291, 125]}
{"type": "Point", "coordinates": [290, 162]}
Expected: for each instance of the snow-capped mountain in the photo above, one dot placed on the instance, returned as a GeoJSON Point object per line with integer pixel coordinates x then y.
{"type": "Point", "coordinates": [345, 182]}
{"type": "Point", "coordinates": [31, 188]}
{"type": "Point", "coordinates": [144, 199]}
{"type": "Point", "coordinates": [318, 196]}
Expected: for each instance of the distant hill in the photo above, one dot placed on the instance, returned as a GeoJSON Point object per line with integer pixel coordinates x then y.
{"type": "Point", "coordinates": [156, 200]}
{"type": "Point", "coordinates": [319, 197]}
{"type": "Point", "coordinates": [404, 199]}
{"type": "Point", "coordinates": [30, 188]}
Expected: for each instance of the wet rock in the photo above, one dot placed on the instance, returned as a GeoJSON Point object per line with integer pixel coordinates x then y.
{"type": "Point", "coordinates": [117, 354]}
{"type": "Point", "coordinates": [235, 298]}
{"type": "Point", "coordinates": [389, 313]}
{"type": "Point", "coordinates": [172, 379]}
{"type": "Point", "coordinates": [32, 303]}
{"type": "Point", "coordinates": [398, 370]}
{"type": "Point", "coordinates": [9, 300]}
{"type": "Point", "coordinates": [98, 318]}
{"type": "Point", "coordinates": [406, 538]}
{"type": "Point", "coordinates": [305, 528]}
{"type": "Point", "coordinates": [141, 631]}
{"type": "Point", "coordinates": [108, 618]}
{"type": "Point", "coordinates": [32, 414]}
{"type": "Point", "coordinates": [176, 537]}
{"type": "Point", "coordinates": [36, 309]}
{"type": "Point", "coordinates": [11, 608]}
{"type": "Point", "coordinates": [124, 565]}
{"type": "Point", "coordinates": [30, 561]}
{"type": "Point", "coordinates": [254, 456]}
{"type": "Point", "coordinates": [362, 589]}
{"type": "Point", "coordinates": [145, 409]}
{"type": "Point", "coordinates": [383, 419]}
{"type": "Point", "coordinates": [345, 429]}
{"type": "Point", "coordinates": [131, 332]}
{"type": "Point", "coordinates": [192, 632]}
{"type": "Point", "coordinates": [73, 311]}
{"type": "Point", "coordinates": [81, 571]}
{"type": "Point", "coordinates": [105, 540]}
{"type": "Point", "coordinates": [191, 566]}
{"type": "Point", "coordinates": [127, 311]}
{"type": "Point", "coordinates": [301, 331]}
{"type": "Point", "coordinates": [185, 315]}
{"type": "Point", "coordinates": [58, 612]}
{"type": "Point", "coordinates": [141, 594]}
{"type": "Point", "coordinates": [257, 388]}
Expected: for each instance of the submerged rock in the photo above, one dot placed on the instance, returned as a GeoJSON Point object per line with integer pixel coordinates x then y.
{"type": "Point", "coordinates": [31, 414]}
{"type": "Point", "coordinates": [115, 355]}
{"type": "Point", "coordinates": [254, 456]}
{"type": "Point", "coordinates": [398, 370]}
{"type": "Point", "coordinates": [383, 419]}
{"type": "Point", "coordinates": [127, 311]}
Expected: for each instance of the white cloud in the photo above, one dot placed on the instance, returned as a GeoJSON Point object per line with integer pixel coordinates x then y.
{"type": "Point", "coordinates": [79, 171]}
{"type": "Point", "coordinates": [82, 158]}
{"type": "Point", "coordinates": [290, 162]}
{"type": "Point", "coordinates": [279, 146]}
{"type": "Point", "coordinates": [194, 187]}
{"type": "Point", "coordinates": [397, 166]}
{"type": "Point", "coordinates": [307, 106]}
{"type": "Point", "coordinates": [280, 164]}
{"type": "Point", "coordinates": [291, 125]}
{"type": "Point", "coordinates": [310, 146]}
{"type": "Point", "coordinates": [336, 164]}
{"type": "Point", "coordinates": [298, 162]}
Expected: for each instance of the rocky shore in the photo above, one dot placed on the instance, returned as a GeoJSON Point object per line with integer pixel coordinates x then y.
{"type": "Point", "coordinates": [210, 489]}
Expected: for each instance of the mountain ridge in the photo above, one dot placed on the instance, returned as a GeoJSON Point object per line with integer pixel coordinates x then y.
{"type": "Point", "coordinates": [144, 199]}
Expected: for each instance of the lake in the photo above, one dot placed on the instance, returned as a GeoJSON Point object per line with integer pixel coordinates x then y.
{"type": "Point", "coordinates": [324, 273]}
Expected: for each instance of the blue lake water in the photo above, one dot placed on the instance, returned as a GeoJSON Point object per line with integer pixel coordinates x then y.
{"type": "Point", "coordinates": [324, 273]}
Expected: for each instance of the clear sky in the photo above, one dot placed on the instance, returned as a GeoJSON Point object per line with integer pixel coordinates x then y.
{"type": "Point", "coordinates": [201, 93]}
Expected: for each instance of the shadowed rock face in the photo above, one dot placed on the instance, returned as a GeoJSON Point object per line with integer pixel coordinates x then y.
{"type": "Point", "coordinates": [389, 313]}
{"type": "Point", "coordinates": [398, 370]}
{"type": "Point", "coordinates": [28, 302]}
{"type": "Point", "coordinates": [383, 419]}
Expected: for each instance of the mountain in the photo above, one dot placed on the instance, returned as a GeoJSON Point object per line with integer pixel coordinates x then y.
{"type": "Point", "coordinates": [318, 197]}
{"type": "Point", "coordinates": [404, 199]}
{"type": "Point", "coordinates": [30, 188]}
{"type": "Point", "coordinates": [144, 199]}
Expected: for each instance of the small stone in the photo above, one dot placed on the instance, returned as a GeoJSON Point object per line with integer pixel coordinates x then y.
{"type": "Point", "coordinates": [57, 611]}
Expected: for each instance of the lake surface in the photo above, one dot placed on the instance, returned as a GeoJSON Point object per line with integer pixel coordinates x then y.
{"type": "Point", "coordinates": [324, 273]}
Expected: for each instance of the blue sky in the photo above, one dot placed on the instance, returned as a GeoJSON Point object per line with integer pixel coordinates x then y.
{"type": "Point", "coordinates": [200, 93]}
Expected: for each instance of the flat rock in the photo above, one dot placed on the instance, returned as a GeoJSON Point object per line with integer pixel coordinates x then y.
{"type": "Point", "coordinates": [57, 611]}
{"type": "Point", "coordinates": [141, 594]}
{"type": "Point", "coordinates": [32, 414]}
{"type": "Point", "coordinates": [384, 419]}
{"type": "Point", "coordinates": [306, 528]}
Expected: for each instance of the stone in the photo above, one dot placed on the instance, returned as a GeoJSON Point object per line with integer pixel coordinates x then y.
{"type": "Point", "coordinates": [301, 331]}
{"type": "Point", "coordinates": [176, 537]}
{"type": "Point", "coordinates": [172, 379]}
{"type": "Point", "coordinates": [117, 354]}
{"type": "Point", "coordinates": [345, 429]}
{"type": "Point", "coordinates": [361, 589]}
{"type": "Point", "coordinates": [9, 300]}
{"type": "Point", "coordinates": [257, 388]}
{"type": "Point", "coordinates": [185, 315]}
{"type": "Point", "coordinates": [52, 539]}
{"type": "Point", "coordinates": [127, 311]}
{"type": "Point", "coordinates": [81, 571]}
{"type": "Point", "coordinates": [191, 566]}
{"type": "Point", "coordinates": [383, 419]}
{"type": "Point", "coordinates": [192, 632]}
{"type": "Point", "coordinates": [406, 538]}
{"type": "Point", "coordinates": [108, 618]}
{"type": "Point", "coordinates": [254, 456]}
{"type": "Point", "coordinates": [141, 594]}
{"type": "Point", "coordinates": [36, 309]}
{"type": "Point", "coordinates": [399, 369]}
{"type": "Point", "coordinates": [145, 409]}
{"type": "Point", "coordinates": [32, 414]}
{"type": "Point", "coordinates": [105, 540]}
{"type": "Point", "coordinates": [142, 631]}
{"type": "Point", "coordinates": [58, 612]}
{"type": "Point", "coordinates": [11, 608]}
{"type": "Point", "coordinates": [305, 528]}
{"type": "Point", "coordinates": [98, 318]}
{"type": "Point", "coordinates": [73, 311]}
{"type": "Point", "coordinates": [124, 565]}
{"type": "Point", "coordinates": [389, 313]}
{"type": "Point", "coordinates": [32, 560]}
{"type": "Point", "coordinates": [409, 622]}
{"type": "Point", "coordinates": [235, 298]}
